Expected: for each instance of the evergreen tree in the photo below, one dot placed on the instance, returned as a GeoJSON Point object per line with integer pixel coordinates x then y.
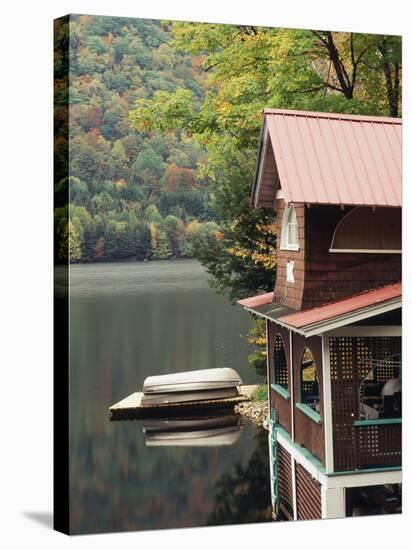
{"type": "Point", "coordinates": [143, 244]}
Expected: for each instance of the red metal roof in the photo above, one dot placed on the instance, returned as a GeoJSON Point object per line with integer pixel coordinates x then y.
{"type": "Point", "coordinates": [341, 307]}
{"type": "Point", "coordinates": [254, 301]}
{"type": "Point", "coordinates": [330, 158]}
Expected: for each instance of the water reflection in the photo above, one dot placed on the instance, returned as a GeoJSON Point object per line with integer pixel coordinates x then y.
{"type": "Point", "coordinates": [192, 432]}
{"type": "Point", "coordinates": [243, 494]}
{"type": "Point", "coordinates": [118, 338]}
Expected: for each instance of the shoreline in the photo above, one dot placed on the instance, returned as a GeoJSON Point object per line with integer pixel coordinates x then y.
{"type": "Point", "coordinates": [130, 261]}
{"type": "Point", "coordinates": [256, 412]}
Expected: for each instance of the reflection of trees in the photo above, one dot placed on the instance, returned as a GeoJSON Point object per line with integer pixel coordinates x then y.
{"type": "Point", "coordinates": [244, 496]}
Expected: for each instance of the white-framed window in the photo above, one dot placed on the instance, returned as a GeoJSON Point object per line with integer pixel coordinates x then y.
{"type": "Point", "coordinates": [289, 237]}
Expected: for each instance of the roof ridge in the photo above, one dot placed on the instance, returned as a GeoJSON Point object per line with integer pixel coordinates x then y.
{"type": "Point", "coordinates": [338, 116]}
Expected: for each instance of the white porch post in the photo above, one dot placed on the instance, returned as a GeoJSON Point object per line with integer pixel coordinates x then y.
{"type": "Point", "coordinates": [333, 502]}
{"type": "Point", "coordinates": [327, 405]}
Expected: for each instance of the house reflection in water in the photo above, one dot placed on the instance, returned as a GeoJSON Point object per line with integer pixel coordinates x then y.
{"type": "Point", "coordinates": [333, 321]}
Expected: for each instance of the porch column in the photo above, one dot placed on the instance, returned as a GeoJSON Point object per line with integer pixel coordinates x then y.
{"type": "Point", "coordinates": [333, 502]}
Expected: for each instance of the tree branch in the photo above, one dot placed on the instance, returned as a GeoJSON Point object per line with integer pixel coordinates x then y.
{"type": "Point", "coordinates": [206, 69]}
{"type": "Point", "coordinates": [321, 38]}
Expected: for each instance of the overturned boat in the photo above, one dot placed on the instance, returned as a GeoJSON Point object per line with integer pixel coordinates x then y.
{"type": "Point", "coordinates": [191, 386]}
{"type": "Point", "coordinates": [184, 392]}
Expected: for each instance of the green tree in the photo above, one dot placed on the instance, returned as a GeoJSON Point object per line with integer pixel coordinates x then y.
{"type": "Point", "coordinates": [173, 232]}
{"type": "Point", "coordinates": [159, 243]}
{"type": "Point", "coordinates": [143, 240]}
{"type": "Point", "coordinates": [86, 165]}
{"type": "Point", "coordinates": [249, 68]}
{"type": "Point", "coordinates": [75, 252]}
{"type": "Point", "coordinates": [152, 215]}
{"type": "Point", "coordinates": [148, 168]}
{"type": "Point", "coordinates": [112, 62]}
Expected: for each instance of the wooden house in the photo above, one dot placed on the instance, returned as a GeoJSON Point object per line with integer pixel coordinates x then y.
{"type": "Point", "coordinates": [333, 320]}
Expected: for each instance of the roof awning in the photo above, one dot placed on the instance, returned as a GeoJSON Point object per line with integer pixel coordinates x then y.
{"type": "Point", "coordinates": [263, 306]}
{"type": "Point", "coordinates": [320, 319]}
{"type": "Point", "coordinates": [329, 158]}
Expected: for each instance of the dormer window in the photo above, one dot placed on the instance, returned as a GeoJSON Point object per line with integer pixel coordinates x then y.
{"type": "Point", "coordinates": [289, 237]}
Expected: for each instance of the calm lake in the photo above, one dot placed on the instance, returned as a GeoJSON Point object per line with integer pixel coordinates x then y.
{"type": "Point", "coordinates": [129, 321]}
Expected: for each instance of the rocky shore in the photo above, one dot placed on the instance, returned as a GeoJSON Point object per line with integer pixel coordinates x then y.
{"type": "Point", "coordinates": [255, 411]}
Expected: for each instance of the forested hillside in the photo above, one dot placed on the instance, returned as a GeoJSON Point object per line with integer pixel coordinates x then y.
{"type": "Point", "coordinates": [133, 195]}
{"type": "Point", "coordinates": [246, 69]}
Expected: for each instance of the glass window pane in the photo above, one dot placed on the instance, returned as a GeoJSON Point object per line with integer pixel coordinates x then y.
{"type": "Point", "coordinates": [309, 385]}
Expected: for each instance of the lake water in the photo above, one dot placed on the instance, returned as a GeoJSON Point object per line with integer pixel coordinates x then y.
{"type": "Point", "coordinates": [129, 321]}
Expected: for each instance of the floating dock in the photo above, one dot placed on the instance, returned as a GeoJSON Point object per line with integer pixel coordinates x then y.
{"type": "Point", "coordinates": [131, 406]}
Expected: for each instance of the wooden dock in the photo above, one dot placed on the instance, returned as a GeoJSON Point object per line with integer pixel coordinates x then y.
{"type": "Point", "coordinates": [131, 406]}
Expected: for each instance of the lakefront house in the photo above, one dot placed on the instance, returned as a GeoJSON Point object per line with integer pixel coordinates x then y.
{"type": "Point", "coordinates": [333, 320]}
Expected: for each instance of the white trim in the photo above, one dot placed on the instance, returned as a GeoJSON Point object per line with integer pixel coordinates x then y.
{"type": "Point", "coordinates": [362, 478]}
{"type": "Point", "coordinates": [291, 388]}
{"type": "Point", "coordinates": [341, 321]}
{"type": "Point", "coordinates": [333, 502]}
{"type": "Point", "coordinates": [327, 405]}
{"type": "Point", "coordinates": [279, 194]}
{"type": "Point", "coordinates": [347, 318]}
{"type": "Point", "coordinates": [290, 247]}
{"type": "Point", "coordinates": [367, 250]}
{"type": "Point", "coordinates": [261, 163]}
{"type": "Point", "coordinates": [367, 330]}
{"type": "Point", "coordinates": [300, 459]}
{"type": "Point", "coordinates": [284, 230]}
{"type": "Point", "coordinates": [272, 491]}
{"type": "Point", "coordinates": [353, 317]}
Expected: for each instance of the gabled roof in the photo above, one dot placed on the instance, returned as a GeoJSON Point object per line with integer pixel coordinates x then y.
{"type": "Point", "coordinates": [320, 319]}
{"type": "Point", "coordinates": [328, 158]}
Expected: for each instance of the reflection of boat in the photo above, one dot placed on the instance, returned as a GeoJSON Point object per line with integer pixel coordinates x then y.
{"type": "Point", "coordinates": [197, 432]}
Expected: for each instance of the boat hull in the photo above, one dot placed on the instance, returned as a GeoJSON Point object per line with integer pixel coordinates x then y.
{"type": "Point", "coordinates": [188, 396]}
{"type": "Point", "coordinates": [204, 379]}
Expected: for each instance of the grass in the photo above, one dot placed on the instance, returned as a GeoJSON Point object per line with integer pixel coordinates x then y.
{"type": "Point", "coordinates": [260, 393]}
